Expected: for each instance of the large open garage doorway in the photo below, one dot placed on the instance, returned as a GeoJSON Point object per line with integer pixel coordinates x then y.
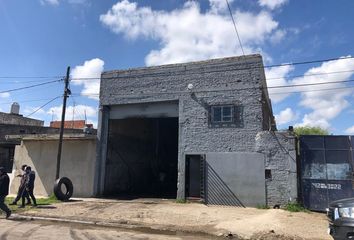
{"type": "Point", "coordinates": [142, 157]}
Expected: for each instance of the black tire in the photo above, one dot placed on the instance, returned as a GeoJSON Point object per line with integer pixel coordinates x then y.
{"type": "Point", "coordinates": [69, 189]}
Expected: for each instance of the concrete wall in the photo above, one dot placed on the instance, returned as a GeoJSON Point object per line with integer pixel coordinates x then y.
{"type": "Point", "coordinates": [77, 163]}
{"type": "Point", "coordinates": [280, 158]}
{"type": "Point", "coordinates": [7, 118]}
{"type": "Point", "coordinates": [235, 179]}
{"type": "Point", "coordinates": [234, 80]}
{"type": "Point", "coordinates": [10, 129]}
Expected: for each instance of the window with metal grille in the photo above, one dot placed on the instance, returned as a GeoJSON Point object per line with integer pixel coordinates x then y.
{"type": "Point", "coordinates": [226, 116]}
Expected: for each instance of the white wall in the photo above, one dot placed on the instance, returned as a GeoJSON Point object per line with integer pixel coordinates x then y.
{"type": "Point", "coordinates": [77, 163]}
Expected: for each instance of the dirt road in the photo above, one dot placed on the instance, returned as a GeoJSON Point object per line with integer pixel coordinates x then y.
{"type": "Point", "coordinates": [25, 230]}
{"type": "Point", "coordinates": [214, 220]}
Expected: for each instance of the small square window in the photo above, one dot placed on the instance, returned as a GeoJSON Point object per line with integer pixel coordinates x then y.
{"type": "Point", "coordinates": [222, 114]}
{"type": "Point", "coordinates": [226, 116]}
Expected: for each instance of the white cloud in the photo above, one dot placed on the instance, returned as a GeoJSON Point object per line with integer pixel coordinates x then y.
{"type": "Point", "coordinates": [4, 95]}
{"type": "Point", "coordinates": [90, 69]}
{"type": "Point", "coordinates": [77, 113]}
{"type": "Point", "coordinates": [278, 36]}
{"type": "Point", "coordinates": [50, 2]}
{"type": "Point", "coordinates": [272, 4]}
{"type": "Point", "coordinates": [188, 34]}
{"type": "Point", "coordinates": [57, 2]}
{"type": "Point", "coordinates": [277, 77]}
{"type": "Point", "coordinates": [325, 105]}
{"type": "Point", "coordinates": [217, 6]}
{"type": "Point", "coordinates": [285, 116]}
{"type": "Point", "coordinates": [350, 131]}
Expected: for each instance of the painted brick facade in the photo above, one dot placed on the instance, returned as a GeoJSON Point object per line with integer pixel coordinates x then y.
{"type": "Point", "coordinates": [235, 80]}
{"type": "Point", "coordinates": [280, 160]}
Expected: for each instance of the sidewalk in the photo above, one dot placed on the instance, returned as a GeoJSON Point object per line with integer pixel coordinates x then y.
{"type": "Point", "coordinates": [191, 217]}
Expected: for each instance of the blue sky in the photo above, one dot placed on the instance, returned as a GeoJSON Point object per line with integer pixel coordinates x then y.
{"type": "Point", "coordinates": [40, 38]}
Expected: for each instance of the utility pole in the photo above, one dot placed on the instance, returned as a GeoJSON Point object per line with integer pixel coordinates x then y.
{"type": "Point", "coordinates": [67, 92]}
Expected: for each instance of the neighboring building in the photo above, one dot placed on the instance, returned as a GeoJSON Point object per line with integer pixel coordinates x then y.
{"type": "Point", "coordinates": [194, 130]}
{"type": "Point", "coordinates": [7, 146]}
{"type": "Point", "coordinates": [37, 146]}
{"type": "Point", "coordinates": [77, 161]}
{"type": "Point", "coordinates": [15, 124]}
{"type": "Point", "coordinates": [14, 118]}
{"type": "Point", "coordinates": [74, 124]}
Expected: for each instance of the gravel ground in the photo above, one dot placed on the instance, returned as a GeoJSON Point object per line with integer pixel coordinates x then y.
{"type": "Point", "coordinates": [247, 223]}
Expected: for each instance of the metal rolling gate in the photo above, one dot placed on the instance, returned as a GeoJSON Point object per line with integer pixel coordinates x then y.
{"type": "Point", "coordinates": [327, 172]}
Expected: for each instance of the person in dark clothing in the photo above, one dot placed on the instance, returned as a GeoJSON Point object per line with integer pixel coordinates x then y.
{"type": "Point", "coordinates": [4, 191]}
{"type": "Point", "coordinates": [21, 188]}
{"type": "Point", "coordinates": [30, 176]}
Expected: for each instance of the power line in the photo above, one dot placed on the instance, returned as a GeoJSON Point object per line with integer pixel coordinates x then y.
{"type": "Point", "coordinates": [233, 89]}
{"type": "Point", "coordinates": [26, 101]}
{"type": "Point", "coordinates": [175, 73]}
{"type": "Point", "coordinates": [274, 78]}
{"type": "Point", "coordinates": [310, 75]}
{"type": "Point", "coordinates": [31, 86]}
{"type": "Point", "coordinates": [25, 77]}
{"type": "Point", "coordinates": [224, 70]}
{"type": "Point", "coordinates": [23, 82]}
{"type": "Point", "coordinates": [309, 62]}
{"type": "Point", "coordinates": [310, 84]}
{"type": "Point", "coordinates": [233, 20]}
{"type": "Point", "coordinates": [314, 90]}
{"type": "Point", "coordinates": [41, 107]}
{"type": "Point", "coordinates": [283, 86]}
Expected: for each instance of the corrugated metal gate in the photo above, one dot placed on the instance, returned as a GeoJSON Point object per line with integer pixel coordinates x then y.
{"type": "Point", "coordinates": [327, 174]}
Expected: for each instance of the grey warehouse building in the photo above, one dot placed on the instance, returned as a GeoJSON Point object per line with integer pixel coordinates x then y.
{"type": "Point", "coordinates": [201, 130]}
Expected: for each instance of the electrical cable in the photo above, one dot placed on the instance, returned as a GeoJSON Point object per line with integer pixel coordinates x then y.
{"type": "Point", "coordinates": [43, 106]}
{"type": "Point", "coordinates": [25, 77]}
{"type": "Point", "coordinates": [310, 84]}
{"type": "Point", "coordinates": [126, 73]}
{"type": "Point", "coordinates": [24, 82]}
{"type": "Point", "coordinates": [216, 90]}
{"type": "Point", "coordinates": [280, 86]}
{"type": "Point", "coordinates": [314, 90]}
{"type": "Point", "coordinates": [269, 66]}
{"type": "Point", "coordinates": [310, 75]}
{"type": "Point", "coordinates": [273, 78]}
{"type": "Point", "coordinates": [234, 23]}
{"type": "Point", "coordinates": [31, 86]}
{"type": "Point", "coordinates": [27, 101]}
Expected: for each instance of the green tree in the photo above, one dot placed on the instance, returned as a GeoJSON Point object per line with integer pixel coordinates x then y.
{"type": "Point", "coordinates": [310, 131]}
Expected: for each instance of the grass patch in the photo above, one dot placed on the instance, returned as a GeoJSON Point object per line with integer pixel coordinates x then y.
{"type": "Point", "coordinates": [40, 202]}
{"type": "Point", "coordinates": [48, 201]}
{"type": "Point", "coordinates": [181, 201]}
{"type": "Point", "coordinates": [295, 207]}
{"type": "Point", "coordinates": [262, 206]}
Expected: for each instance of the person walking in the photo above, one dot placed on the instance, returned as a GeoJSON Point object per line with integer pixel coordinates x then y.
{"type": "Point", "coordinates": [30, 176]}
{"type": "Point", "coordinates": [4, 191]}
{"type": "Point", "coordinates": [22, 188]}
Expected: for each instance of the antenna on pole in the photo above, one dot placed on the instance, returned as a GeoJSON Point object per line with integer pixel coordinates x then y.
{"type": "Point", "coordinates": [73, 119]}
{"type": "Point", "coordinates": [85, 115]}
{"type": "Point", "coordinates": [67, 92]}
